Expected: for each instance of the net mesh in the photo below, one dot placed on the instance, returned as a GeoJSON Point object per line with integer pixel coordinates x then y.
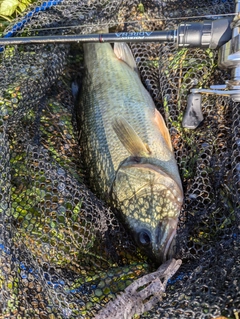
{"type": "Point", "coordinates": [63, 253]}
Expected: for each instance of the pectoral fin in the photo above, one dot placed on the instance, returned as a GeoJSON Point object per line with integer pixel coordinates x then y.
{"type": "Point", "coordinates": [123, 52]}
{"type": "Point", "coordinates": [129, 138]}
{"type": "Point", "coordinates": [163, 129]}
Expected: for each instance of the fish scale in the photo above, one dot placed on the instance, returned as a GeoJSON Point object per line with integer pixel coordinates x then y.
{"type": "Point", "coordinates": [126, 147]}
{"type": "Point", "coordinates": [135, 104]}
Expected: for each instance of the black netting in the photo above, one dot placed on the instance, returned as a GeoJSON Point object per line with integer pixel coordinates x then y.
{"type": "Point", "coordinates": [63, 252]}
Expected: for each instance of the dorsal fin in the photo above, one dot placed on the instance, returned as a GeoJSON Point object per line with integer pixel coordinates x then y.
{"type": "Point", "coordinates": [163, 129]}
{"type": "Point", "coordinates": [123, 52]}
{"type": "Point", "coordinates": [129, 138]}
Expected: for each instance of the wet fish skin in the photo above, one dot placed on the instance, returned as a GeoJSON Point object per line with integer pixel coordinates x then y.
{"type": "Point", "coordinates": [127, 149]}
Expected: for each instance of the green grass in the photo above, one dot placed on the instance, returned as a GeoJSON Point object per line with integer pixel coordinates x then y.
{"type": "Point", "coordinates": [11, 9]}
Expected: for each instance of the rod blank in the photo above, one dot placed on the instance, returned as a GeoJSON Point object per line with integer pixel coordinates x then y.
{"type": "Point", "coordinates": [209, 33]}
{"type": "Point", "coordinates": [144, 36]}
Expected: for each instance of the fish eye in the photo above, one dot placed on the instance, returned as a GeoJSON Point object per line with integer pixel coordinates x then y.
{"type": "Point", "coordinates": [144, 237]}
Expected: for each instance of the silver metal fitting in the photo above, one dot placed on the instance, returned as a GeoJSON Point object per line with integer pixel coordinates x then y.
{"type": "Point", "coordinates": [229, 58]}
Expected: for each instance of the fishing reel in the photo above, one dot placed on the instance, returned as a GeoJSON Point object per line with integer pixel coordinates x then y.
{"type": "Point", "coordinates": [228, 58]}
{"type": "Point", "coordinates": [222, 34]}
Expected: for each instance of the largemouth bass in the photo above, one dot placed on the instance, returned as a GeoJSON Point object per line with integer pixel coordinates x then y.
{"type": "Point", "coordinates": [127, 148]}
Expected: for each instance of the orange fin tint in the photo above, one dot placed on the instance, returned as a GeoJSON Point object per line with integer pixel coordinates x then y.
{"type": "Point", "coordinates": [163, 129]}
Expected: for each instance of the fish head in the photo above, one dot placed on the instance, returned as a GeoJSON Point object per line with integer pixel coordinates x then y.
{"type": "Point", "coordinates": [150, 202]}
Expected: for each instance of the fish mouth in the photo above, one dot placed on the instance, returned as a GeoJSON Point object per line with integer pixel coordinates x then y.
{"type": "Point", "coordinates": [165, 234]}
{"type": "Point", "coordinates": [168, 248]}
{"type": "Point", "coordinates": [158, 243]}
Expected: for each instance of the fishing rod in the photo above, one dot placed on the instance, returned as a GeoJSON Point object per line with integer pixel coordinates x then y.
{"type": "Point", "coordinates": [214, 34]}
{"type": "Point", "coordinates": [210, 33]}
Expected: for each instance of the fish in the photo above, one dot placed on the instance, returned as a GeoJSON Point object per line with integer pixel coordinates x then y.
{"type": "Point", "coordinates": [126, 148]}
